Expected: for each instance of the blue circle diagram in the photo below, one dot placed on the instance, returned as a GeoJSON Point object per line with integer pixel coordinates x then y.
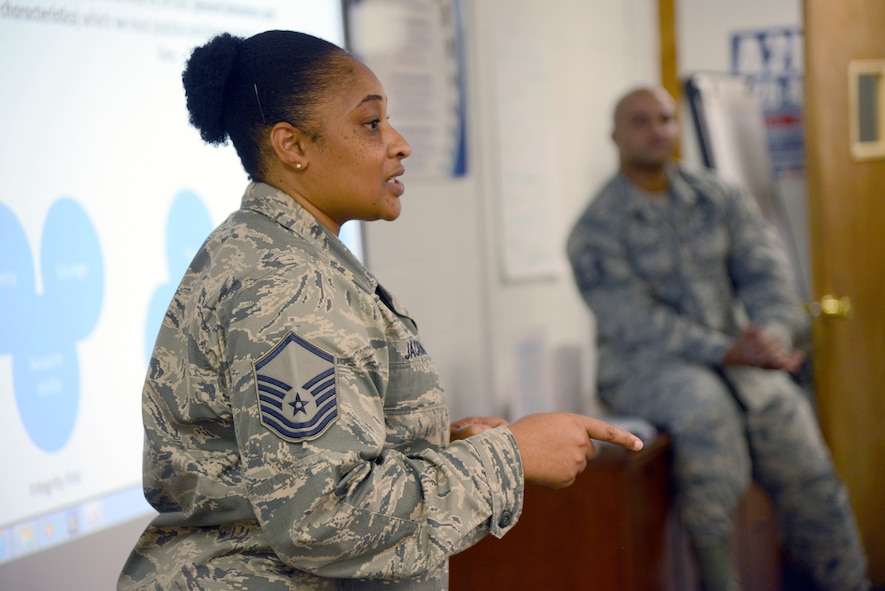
{"type": "Point", "coordinates": [73, 273]}
{"type": "Point", "coordinates": [44, 328]}
{"type": "Point", "coordinates": [46, 378]}
{"type": "Point", "coordinates": [16, 281]}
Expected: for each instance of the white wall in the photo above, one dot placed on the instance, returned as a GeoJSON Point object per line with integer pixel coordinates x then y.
{"type": "Point", "coordinates": [443, 259]}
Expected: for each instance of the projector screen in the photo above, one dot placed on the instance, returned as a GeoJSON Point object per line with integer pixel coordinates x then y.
{"type": "Point", "coordinates": [106, 192]}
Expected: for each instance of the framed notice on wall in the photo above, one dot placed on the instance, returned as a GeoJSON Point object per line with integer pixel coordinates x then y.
{"type": "Point", "coordinates": [415, 47]}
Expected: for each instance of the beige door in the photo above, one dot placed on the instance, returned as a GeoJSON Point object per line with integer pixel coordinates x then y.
{"type": "Point", "coordinates": [847, 229]}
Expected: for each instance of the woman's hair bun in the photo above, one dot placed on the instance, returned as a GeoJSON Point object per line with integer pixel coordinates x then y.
{"type": "Point", "coordinates": [205, 79]}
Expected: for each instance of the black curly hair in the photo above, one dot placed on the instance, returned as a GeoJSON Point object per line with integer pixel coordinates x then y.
{"type": "Point", "coordinates": [238, 88]}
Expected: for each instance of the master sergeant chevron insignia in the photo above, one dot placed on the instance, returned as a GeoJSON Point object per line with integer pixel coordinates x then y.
{"type": "Point", "coordinates": [296, 389]}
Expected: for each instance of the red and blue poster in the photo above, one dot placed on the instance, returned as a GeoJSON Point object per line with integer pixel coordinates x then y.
{"type": "Point", "coordinates": [772, 59]}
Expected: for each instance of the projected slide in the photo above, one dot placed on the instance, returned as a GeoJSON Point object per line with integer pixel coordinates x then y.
{"type": "Point", "coordinates": [106, 192]}
{"type": "Point", "coordinates": [46, 376]}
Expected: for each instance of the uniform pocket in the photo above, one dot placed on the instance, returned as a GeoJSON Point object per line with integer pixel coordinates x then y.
{"type": "Point", "coordinates": [414, 403]}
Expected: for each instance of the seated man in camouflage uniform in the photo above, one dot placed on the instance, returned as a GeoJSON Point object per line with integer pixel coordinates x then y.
{"type": "Point", "coordinates": [696, 311]}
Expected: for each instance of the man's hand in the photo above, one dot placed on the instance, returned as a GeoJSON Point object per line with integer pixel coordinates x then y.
{"type": "Point", "coordinates": [756, 348]}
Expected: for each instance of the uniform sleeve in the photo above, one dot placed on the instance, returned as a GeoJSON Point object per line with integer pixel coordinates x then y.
{"type": "Point", "coordinates": [626, 312]}
{"type": "Point", "coordinates": [363, 490]}
{"type": "Point", "coordinates": [760, 271]}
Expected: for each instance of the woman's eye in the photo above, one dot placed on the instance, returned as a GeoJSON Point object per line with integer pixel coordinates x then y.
{"type": "Point", "coordinates": [374, 123]}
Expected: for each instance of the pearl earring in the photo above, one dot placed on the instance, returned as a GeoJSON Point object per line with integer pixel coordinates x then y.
{"type": "Point", "coordinates": [297, 165]}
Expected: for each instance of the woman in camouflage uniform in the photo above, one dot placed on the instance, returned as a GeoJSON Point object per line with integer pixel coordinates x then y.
{"type": "Point", "coordinates": [297, 435]}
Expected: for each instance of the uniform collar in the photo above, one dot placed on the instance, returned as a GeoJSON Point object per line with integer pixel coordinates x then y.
{"type": "Point", "coordinates": [284, 210]}
{"type": "Point", "coordinates": [682, 195]}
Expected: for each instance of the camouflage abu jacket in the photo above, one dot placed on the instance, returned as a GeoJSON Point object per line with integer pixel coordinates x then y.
{"type": "Point", "coordinates": [296, 434]}
{"type": "Point", "coordinates": [678, 280]}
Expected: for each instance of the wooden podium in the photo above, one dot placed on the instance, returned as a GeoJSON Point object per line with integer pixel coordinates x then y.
{"type": "Point", "coordinates": [605, 532]}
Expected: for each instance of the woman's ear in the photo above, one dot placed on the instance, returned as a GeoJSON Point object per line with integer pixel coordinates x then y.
{"type": "Point", "coordinates": [287, 142]}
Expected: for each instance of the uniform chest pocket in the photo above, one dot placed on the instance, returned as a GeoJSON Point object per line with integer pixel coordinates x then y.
{"type": "Point", "coordinates": [652, 251]}
{"type": "Point", "coordinates": [709, 247]}
{"type": "Point", "coordinates": [414, 402]}
{"type": "Point", "coordinates": [708, 237]}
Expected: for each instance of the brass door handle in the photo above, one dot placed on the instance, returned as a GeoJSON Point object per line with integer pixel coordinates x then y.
{"type": "Point", "coordinates": [831, 306]}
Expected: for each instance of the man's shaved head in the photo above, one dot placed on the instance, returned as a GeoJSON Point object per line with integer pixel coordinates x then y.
{"type": "Point", "coordinates": [645, 129]}
{"type": "Point", "coordinates": [624, 103]}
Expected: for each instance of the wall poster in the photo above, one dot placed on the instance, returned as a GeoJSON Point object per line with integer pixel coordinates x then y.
{"type": "Point", "coordinates": [772, 59]}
